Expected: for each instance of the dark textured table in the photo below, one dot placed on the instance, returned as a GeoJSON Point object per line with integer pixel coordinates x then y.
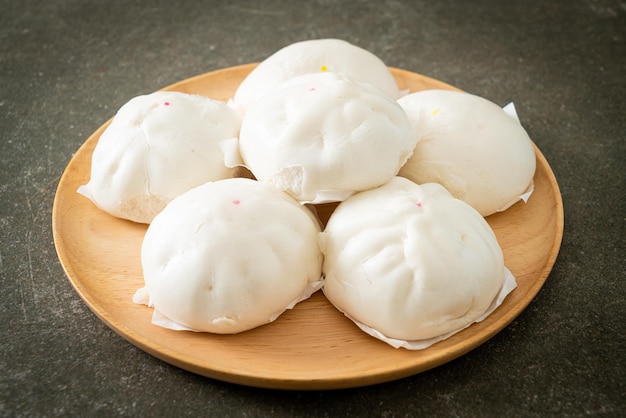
{"type": "Point", "coordinates": [67, 66]}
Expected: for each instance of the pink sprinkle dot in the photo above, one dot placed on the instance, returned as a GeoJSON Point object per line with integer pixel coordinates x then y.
{"type": "Point", "coordinates": [166, 103]}
{"type": "Point", "coordinates": [236, 202]}
{"type": "Point", "coordinates": [419, 204]}
{"type": "Point", "coordinates": [312, 89]}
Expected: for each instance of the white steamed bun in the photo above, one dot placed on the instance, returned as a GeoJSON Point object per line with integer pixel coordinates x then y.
{"type": "Point", "coordinates": [314, 56]}
{"type": "Point", "coordinates": [321, 137]}
{"type": "Point", "coordinates": [471, 146]}
{"type": "Point", "coordinates": [158, 146]}
{"type": "Point", "coordinates": [229, 256]}
{"type": "Point", "coordinates": [410, 261]}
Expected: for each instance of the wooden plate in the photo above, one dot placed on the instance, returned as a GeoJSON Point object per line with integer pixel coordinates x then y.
{"type": "Point", "coordinates": [312, 346]}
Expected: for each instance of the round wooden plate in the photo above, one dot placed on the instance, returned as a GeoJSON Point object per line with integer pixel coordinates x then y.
{"type": "Point", "coordinates": [312, 346]}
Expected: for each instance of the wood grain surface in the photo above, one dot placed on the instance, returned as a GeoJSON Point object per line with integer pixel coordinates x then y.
{"type": "Point", "coordinates": [312, 346]}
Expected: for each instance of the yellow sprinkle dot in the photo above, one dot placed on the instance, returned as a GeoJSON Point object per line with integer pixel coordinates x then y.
{"type": "Point", "coordinates": [324, 68]}
{"type": "Point", "coordinates": [435, 111]}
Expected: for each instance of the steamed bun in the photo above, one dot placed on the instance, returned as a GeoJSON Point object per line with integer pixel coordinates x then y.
{"type": "Point", "coordinates": [470, 145]}
{"type": "Point", "coordinates": [314, 56]}
{"type": "Point", "coordinates": [410, 261]}
{"type": "Point", "coordinates": [321, 137]}
{"type": "Point", "coordinates": [158, 146]}
{"type": "Point", "coordinates": [229, 256]}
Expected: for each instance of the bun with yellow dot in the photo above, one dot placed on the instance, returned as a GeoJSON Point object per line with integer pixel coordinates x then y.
{"type": "Point", "coordinates": [471, 146]}
{"type": "Point", "coordinates": [314, 56]}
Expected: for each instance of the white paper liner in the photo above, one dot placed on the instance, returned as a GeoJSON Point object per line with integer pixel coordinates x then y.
{"type": "Point", "coordinates": [508, 286]}
{"type": "Point", "coordinates": [142, 297]}
{"type": "Point", "coordinates": [524, 196]}
{"type": "Point", "coordinates": [510, 110]}
{"type": "Point", "coordinates": [321, 196]}
{"type": "Point", "coordinates": [230, 149]}
{"type": "Point", "coordinates": [329, 196]}
{"type": "Point", "coordinates": [84, 190]}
